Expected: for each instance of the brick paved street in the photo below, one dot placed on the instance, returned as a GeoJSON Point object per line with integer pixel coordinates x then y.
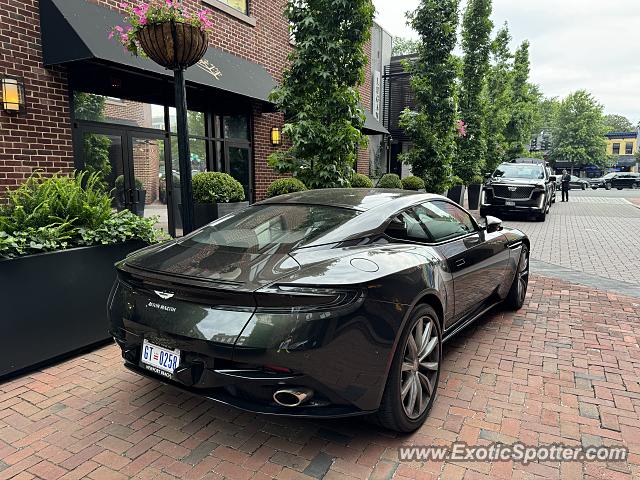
{"type": "Point", "coordinates": [564, 369]}
{"type": "Point", "coordinates": [597, 232]}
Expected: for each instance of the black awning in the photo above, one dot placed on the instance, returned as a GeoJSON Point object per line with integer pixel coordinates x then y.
{"type": "Point", "coordinates": [76, 31]}
{"type": "Point", "coordinates": [372, 126]}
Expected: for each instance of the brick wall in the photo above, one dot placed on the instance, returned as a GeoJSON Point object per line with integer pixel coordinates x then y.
{"type": "Point", "coordinates": [41, 138]}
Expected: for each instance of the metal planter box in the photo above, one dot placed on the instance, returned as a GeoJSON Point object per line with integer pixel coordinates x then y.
{"type": "Point", "coordinates": [54, 304]}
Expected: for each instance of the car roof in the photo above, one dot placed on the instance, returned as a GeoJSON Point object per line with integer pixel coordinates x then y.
{"type": "Point", "coordinates": [360, 199]}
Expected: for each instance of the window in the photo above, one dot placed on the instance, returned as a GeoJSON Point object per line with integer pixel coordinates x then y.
{"type": "Point", "coordinates": [240, 5]}
{"type": "Point", "coordinates": [628, 149]}
{"type": "Point", "coordinates": [406, 226]}
{"type": "Point", "coordinates": [616, 149]}
{"type": "Point", "coordinates": [445, 221]}
{"type": "Point", "coordinates": [515, 170]}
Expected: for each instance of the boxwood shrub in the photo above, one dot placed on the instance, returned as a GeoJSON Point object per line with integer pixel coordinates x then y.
{"type": "Point", "coordinates": [284, 186]}
{"type": "Point", "coordinates": [390, 180]}
{"type": "Point", "coordinates": [361, 181]}
{"type": "Point", "coordinates": [413, 183]}
{"type": "Point", "coordinates": [60, 212]}
{"type": "Point", "coordinates": [216, 187]}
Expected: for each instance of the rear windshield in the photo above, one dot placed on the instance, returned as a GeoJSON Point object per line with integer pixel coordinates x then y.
{"type": "Point", "coordinates": [271, 227]}
{"type": "Point", "coordinates": [515, 170]}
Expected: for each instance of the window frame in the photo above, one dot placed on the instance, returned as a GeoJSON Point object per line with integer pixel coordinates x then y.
{"type": "Point", "coordinates": [628, 148]}
{"type": "Point", "coordinates": [411, 211]}
{"type": "Point", "coordinates": [616, 146]}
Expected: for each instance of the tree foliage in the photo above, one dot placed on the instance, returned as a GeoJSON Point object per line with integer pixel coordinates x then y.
{"type": "Point", "coordinates": [523, 102]}
{"type": "Point", "coordinates": [498, 101]}
{"type": "Point", "coordinates": [578, 136]}
{"type": "Point", "coordinates": [404, 46]}
{"type": "Point", "coordinates": [319, 93]}
{"type": "Point", "coordinates": [618, 123]}
{"type": "Point", "coordinates": [432, 127]}
{"type": "Point", "coordinates": [476, 45]}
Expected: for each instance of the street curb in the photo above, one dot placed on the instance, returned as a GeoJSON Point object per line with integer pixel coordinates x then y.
{"type": "Point", "coordinates": [618, 287]}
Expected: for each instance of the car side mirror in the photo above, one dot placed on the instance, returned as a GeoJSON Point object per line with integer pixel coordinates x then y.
{"type": "Point", "coordinates": [493, 224]}
{"type": "Point", "coordinates": [488, 175]}
{"type": "Point", "coordinates": [553, 179]}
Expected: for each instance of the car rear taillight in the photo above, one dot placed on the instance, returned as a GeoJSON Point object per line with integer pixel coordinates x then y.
{"type": "Point", "coordinates": [307, 298]}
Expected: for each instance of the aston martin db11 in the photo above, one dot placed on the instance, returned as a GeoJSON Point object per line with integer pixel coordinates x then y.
{"type": "Point", "coordinates": [325, 303]}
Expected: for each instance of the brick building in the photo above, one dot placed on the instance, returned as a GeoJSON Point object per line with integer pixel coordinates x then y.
{"type": "Point", "coordinates": [87, 99]}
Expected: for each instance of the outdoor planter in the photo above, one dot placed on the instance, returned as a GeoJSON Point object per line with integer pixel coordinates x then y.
{"type": "Point", "coordinates": [174, 45]}
{"type": "Point", "coordinates": [475, 189]}
{"type": "Point", "coordinates": [54, 304]}
{"type": "Point", "coordinates": [456, 194]}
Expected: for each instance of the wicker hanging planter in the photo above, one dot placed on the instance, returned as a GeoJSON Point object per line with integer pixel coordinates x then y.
{"type": "Point", "coordinates": [174, 45]}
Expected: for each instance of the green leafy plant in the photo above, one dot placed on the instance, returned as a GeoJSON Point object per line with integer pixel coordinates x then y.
{"type": "Point", "coordinates": [456, 181]}
{"type": "Point", "coordinates": [477, 180]}
{"type": "Point", "coordinates": [413, 183]}
{"type": "Point", "coordinates": [283, 186]}
{"type": "Point", "coordinates": [119, 183]}
{"type": "Point", "coordinates": [319, 91]}
{"type": "Point", "coordinates": [361, 181]}
{"type": "Point", "coordinates": [56, 213]}
{"type": "Point", "coordinates": [217, 187]}
{"type": "Point", "coordinates": [390, 180]}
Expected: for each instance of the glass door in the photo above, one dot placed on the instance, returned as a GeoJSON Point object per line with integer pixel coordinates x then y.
{"type": "Point", "coordinates": [152, 193]}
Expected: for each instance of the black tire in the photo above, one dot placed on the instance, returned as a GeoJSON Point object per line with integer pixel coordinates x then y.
{"type": "Point", "coordinates": [584, 187]}
{"type": "Point", "coordinates": [518, 291]}
{"type": "Point", "coordinates": [594, 188]}
{"type": "Point", "coordinates": [619, 188]}
{"type": "Point", "coordinates": [541, 217]}
{"type": "Point", "coordinates": [607, 186]}
{"type": "Point", "coordinates": [392, 413]}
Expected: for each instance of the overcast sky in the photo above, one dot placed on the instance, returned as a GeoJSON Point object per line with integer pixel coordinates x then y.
{"type": "Point", "coordinates": [575, 44]}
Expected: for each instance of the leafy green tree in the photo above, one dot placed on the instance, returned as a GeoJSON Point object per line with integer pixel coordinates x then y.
{"type": "Point", "coordinates": [618, 123]}
{"type": "Point", "coordinates": [520, 126]}
{"type": "Point", "coordinates": [432, 128]}
{"type": "Point", "coordinates": [89, 106]}
{"type": "Point", "coordinates": [319, 91]}
{"type": "Point", "coordinates": [476, 45]}
{"type": "Point", "coordinates": [498, 101]}
{"type": "Point", "coordinates": [404, 46]}
{"type": "Point", "coordinates": [578, 137]}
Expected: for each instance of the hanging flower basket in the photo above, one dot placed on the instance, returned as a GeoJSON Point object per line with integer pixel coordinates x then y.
{"type": "Point", "coordinates": [173, 45]}
{"type": "Point", "coordinates": [160, 30]}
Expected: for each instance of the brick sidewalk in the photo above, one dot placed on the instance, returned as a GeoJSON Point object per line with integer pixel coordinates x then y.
{"type": "Point", "coordinates": [565, 369]}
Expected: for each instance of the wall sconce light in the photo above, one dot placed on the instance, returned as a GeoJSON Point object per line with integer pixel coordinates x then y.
{"type": "Point", "coordinates": [276, 136]}
{"type": "Point", "coordinates": [13, 98]}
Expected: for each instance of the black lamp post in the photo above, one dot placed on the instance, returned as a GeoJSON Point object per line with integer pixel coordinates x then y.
{"type": "Point", "coordinates": [177, 46]}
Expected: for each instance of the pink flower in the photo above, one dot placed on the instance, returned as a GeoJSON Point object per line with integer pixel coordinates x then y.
{"type": "Point", "coordinates": [111, 34]}
{"type": "Point", "coordinates": [462, 128]}
{"type": "Point", "coordinates": [124, 5]}
{"type": "Point", "coordinates": [119, 29]}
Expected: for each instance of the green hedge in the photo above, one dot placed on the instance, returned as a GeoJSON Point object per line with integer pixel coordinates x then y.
{"type": "Point", "coordinates": [413, 183]}
{"type": "Point", "coordinates": [284, 186]}
{"type": "Point", "coordinates": [390, 180]}
{"type": "Point", "coordinates": [216, 187]}
{"type": "Point", "coordinates": [361, 181]}
{"type": "Point", "coordinates": [56, 213]}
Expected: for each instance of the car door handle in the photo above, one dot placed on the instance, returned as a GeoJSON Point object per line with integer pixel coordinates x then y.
{"type": "Point", "coordinates": [460, 263]}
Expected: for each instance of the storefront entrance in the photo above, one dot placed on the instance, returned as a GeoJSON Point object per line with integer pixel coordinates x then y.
{"type": "Point", "coordinates": [134, 164]}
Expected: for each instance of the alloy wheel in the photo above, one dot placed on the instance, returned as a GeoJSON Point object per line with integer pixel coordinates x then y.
{"type": "Point", "coordinates": [420, 366]}
{"type": "Point", "coordinates": [523, 275]}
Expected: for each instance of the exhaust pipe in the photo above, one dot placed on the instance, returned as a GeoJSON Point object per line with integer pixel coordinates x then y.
{"type": "Point", "coordinates": [292, 397]}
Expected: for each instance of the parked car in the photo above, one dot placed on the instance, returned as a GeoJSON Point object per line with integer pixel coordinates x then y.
{"type": "Point", "coordinates": [625, 180]}
{"type": "Point", "coordinates": [519, 188]}
{"type": "Point", "coordinates": [617, 180]}
{"type": "Point", "coordinates": [575, 183]}
{"type": "Point", "coordinates": [324, 303]}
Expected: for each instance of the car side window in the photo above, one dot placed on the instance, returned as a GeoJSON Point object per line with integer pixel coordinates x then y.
{"type": "Point", "coordinates": [445, 221]}
{"type": "Point", "coordinates": [407, 226]}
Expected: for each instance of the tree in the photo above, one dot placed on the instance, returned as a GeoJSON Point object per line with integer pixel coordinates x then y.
{"type": "Point", "coordinates": [319, 92]}
{"type": "Point", "coordinates": [498, 99]}
{"type": "Point", "coordinates": [618, 123]}
{"type": "Point", "coordinates": [578, 137]}
{"type": "Point", "coordinates": [476, 45]}
{"type": "Point", "coordinates": [519, 128]}
{"type": "Point", "coordinates": [89, 106]}
{"type": "Point", "coordinates": [404, 46]}
{"type": "Point", "coordinates": [432, 128]}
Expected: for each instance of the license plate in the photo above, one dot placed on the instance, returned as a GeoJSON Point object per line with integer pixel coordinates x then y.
{"type": "Point", "coordinates": [160, 358]}
{"type": "Point", "coordinates": [510, 204]}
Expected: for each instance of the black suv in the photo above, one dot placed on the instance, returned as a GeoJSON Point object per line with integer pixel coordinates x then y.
{"type": "Point", "coordinates": [626, 180]}
{"type": "Point", "coordinates": [524, 186]}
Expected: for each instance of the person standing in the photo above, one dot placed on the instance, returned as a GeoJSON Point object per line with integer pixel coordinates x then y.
{"type": "Point", "coordinates": [565, 181]}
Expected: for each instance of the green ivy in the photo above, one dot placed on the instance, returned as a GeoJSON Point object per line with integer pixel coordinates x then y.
{"type": "Point", "coordinates": [319, 91]}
